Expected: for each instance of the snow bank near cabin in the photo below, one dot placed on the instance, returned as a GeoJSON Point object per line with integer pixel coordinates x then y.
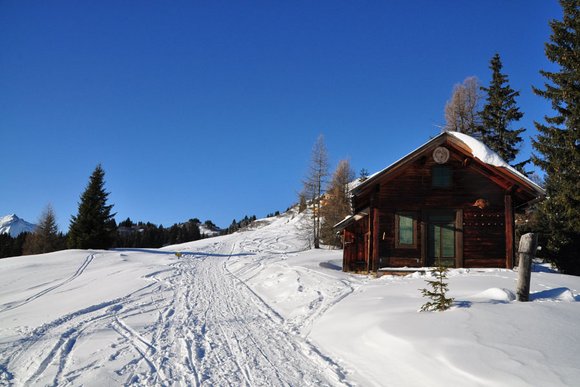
{"type": "Point", "coordinates": [486, 339]}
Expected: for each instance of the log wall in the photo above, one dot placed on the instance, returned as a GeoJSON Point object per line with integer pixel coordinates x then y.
{"type": "Point", "coordinates": [410, 190]}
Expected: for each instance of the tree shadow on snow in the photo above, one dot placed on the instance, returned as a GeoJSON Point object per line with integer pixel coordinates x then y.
{"type": "Point", "coordinates": [463, 304]}
{"type": "Point", "coordinates": [330, 265]}
{"type": "Point", "coordinates": [561, 294]}
{"type": "Point", "coordinates": [556, 294]}
{"type": "Point", "coordinates": [540, 268]}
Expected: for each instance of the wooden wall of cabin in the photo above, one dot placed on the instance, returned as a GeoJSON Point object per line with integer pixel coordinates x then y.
{"type": "Point", "coordinates": [355, 254]}
{"type": "Point", "coordinates": [411, 191]}
{"type": "Point", "coordinates": [483, 238]}
{"type": "Point", "coordinates": [389, 255]}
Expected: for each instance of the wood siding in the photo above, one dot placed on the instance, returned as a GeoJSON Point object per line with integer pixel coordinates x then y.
{"type": "Point", "coordinates": [356, 246]}
{"type": "Point", "coordinates": [480, 233]}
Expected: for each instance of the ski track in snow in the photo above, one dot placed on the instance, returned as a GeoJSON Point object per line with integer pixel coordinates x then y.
{"type": "Point", "coordinates": [208, 328]}
{"type": "Point", "coordinates": [79, 271]}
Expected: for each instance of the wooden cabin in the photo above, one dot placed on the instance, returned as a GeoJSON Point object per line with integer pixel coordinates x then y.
{"type": "Point", "coordinates": [452, 199]}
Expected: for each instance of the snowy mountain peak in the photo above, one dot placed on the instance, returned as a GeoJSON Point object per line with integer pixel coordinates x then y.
{"type": "Point", "coordinates": [13, 225]}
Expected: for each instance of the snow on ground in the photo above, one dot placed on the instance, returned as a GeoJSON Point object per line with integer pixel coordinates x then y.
{"type": "Point", "coordinates": [259, 308]}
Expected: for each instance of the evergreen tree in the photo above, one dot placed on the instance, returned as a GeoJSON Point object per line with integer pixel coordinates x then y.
{"type": "Point", "coordinates": [363, 174]}
{"type": "Point", "coordinates": [498, 112]}
{"type": "Point", "coordinates": [6, 243]}
{"type": "Point", "coordinates": [45, 238]}
{"type": "Point", "coordinates": [94, 226]}
{"type": "Point", "coordinates": [127, 223]}
{"type": "Point", "coordinates": [437, 293]}
{"type": "Point", "coordinates": [558, 142]}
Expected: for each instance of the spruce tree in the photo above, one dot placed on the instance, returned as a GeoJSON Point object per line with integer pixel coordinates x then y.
{"type": "Point", "coordinates": [45, 238]}
{"type": "Point", "coordinates": [498, 112]}
{"type": "Point", "coordinates": [94, 226]}
{"type": "Point", "coordinates": [438, 292]}
{"type": "Point", "coordinates": [558, 142]}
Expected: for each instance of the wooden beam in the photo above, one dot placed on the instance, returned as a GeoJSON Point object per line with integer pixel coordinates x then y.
{"type": "Point", "coordinates": [345, 251]}
{"type": "Point", "coordinates": [423, 262]}
{"type": "Point", "coordinates": [373, 230]}
{"type": "Point", "coordinates": [375, 242]}
{"type": "Point", "coordinates": [459, 238]}
{"type": "Point", "coordinates": [509, 231]}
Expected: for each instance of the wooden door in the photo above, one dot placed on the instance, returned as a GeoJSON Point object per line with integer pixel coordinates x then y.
{"type": "Point", "coordinates": [441, 238]}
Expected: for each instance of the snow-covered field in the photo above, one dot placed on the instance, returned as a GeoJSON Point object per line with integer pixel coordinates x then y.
{"type": "Point", "coordinates": [257, 309]}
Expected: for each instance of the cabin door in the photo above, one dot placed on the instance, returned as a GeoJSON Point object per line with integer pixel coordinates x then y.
{"type": "Point", "coordinates": [441, 235]}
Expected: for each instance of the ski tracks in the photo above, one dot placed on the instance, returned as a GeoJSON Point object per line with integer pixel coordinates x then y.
{"type": "Point", "coordinates": [76, 274]}
{"type": "Point", "coordinates": [194, 324]}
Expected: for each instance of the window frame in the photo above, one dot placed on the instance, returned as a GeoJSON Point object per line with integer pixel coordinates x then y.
{"type": "Point", "coordinates": [441, 168]}
{"type": "Point", "coordinates": [408, 214]}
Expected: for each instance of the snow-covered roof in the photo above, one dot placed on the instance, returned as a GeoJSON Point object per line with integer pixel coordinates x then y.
{"type": "Point", "coordinates": [478, 150]}
{"type": "Point", "coordinates": [485, 154]}
{"type": "Point", "coordinates": [351, 218]}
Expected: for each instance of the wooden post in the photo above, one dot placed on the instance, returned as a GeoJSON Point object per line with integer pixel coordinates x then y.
{"type": "Point", "coordinates": [375, 243]}
{"type": "Point", "coordinates": [345, 251]}
{"type": "Point", "coordinates": [509, 231]}
{"type": "Point", "coordinates": [372, 264]}
{"type": "Point", "coordinates": [526, 252]}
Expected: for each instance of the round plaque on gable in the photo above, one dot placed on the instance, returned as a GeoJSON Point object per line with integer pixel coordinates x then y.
{"type": "Point", "coordinates": [441, 155]}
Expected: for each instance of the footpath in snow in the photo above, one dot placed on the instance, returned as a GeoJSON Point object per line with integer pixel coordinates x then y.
{"type": "Point", "coordinates": [257, 308]}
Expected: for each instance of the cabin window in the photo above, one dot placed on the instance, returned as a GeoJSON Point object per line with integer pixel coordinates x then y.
{"type": "Point", "coordinates": [405, 230]}
{"type": "Point", "coordinates": [442, 176]}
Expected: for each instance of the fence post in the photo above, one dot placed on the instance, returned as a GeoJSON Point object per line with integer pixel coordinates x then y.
{"type": "Point", "coordinates": [526, 253]}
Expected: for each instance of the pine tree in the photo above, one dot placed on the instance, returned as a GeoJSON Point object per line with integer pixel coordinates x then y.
{"type": "Point", "coordinates": [498, 112]}
{"type": "Point", "coordinates": [94, 226]}
{"type": "Point", "coordinates": [558, 142]}
{"type": "Point", "coordinates": [45, 238]}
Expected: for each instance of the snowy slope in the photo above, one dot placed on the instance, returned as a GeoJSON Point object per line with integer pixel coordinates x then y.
{"type": "Point", "coordinates": [256, 309]}
{"type": "Point", "coordinates": [13, 225]}
{"type": "Point", "coordinates": [208, 232]}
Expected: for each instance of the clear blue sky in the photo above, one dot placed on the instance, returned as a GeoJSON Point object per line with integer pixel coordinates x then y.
{"type": "Point", "coordinates": [210, 109]}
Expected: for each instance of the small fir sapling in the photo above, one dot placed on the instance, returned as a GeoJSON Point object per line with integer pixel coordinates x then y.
{"type": "Point", "coordinates": [437, 293]}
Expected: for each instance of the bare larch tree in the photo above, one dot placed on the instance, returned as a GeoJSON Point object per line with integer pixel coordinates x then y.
{"type": "Point", "coordinates": [314, 184]}
{"type": "Point", "coordinates": [337, 202]}
{"type": "Point", "coordinates": [462, 110]}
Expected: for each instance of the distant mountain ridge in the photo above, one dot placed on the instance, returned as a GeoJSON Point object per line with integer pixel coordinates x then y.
{"type": "Point", "coordinates": [13, 225]}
